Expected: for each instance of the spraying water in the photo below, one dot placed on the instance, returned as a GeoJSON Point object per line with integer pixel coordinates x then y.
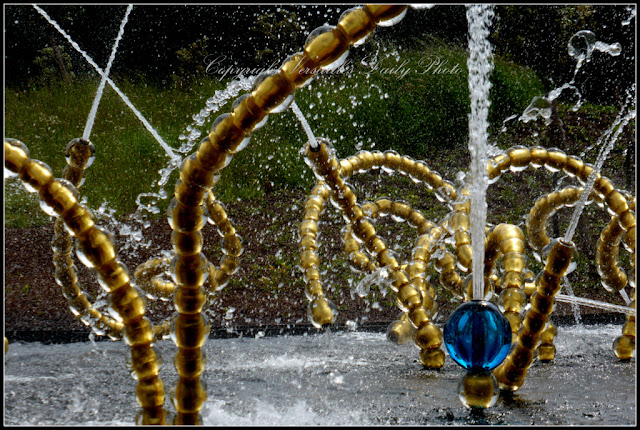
{"type": "Point", "coordinates": [305, 125]}
{"type": "Point", "coordinates": [103, 81]}
{"type": "Point", "coordinates": [142, 119]}
{"type": "Point", "coordinates": [608, 139]}
{"type": "Point", "coordinates": [480, 66]}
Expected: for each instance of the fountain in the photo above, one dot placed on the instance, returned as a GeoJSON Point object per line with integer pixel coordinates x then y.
{"type": "Point", "coordinates": [525, 301]}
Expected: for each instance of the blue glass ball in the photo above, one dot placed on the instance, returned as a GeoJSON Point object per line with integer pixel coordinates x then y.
{"type": "Point", "coordinates": [477, 335]}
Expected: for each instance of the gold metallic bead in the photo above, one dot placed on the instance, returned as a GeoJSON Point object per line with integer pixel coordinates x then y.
{"type": "Point", "coordinates": [573, 166]}
{"type": "Point", "coordinates": [355, 25]}
{"type": "Point", "coordinates": [432, 358]}
{"type": "Point", "coordinates": [309, 258]}
{"type": "Point", "coordinates": [308, 242]}
{"type": "Point", "coordinates": [521, 357]}
{"type": "Point", "coordinates": [145, 363]}
{"type": "Point", "coordinates": [80, 153]}
{"type": "Point", "coordinates": [35, 174]}
{"type": "Point", "coordinates": [229, 136]}
{"type": "Point", "coordinates": [510, 378]}
{"type": "Point", "coordinates": [189, 194]}
{"type": "Point", "coordinates": [321, 312]}
{"type": "Point", "coordinates": [528, 340]}
{"type": "Point", "coordinates": [429, 336]}
{"type": "Point", "coordinates": [546, 352]}
{"type": "Point", "coordinates": [616, 202]}
{"type": "Point", "coordinates": [113, 276]}
{"type": "Point", "coordinates": [271, 92]}
{"type": "Point", "coordinates": [376, 246]}
{"type": "Point", "coordinates": [419, 316]}
{"type": "Point", "coordinates": [399, 332]}
{"type": "Point", "coordinates": [190, 363]}
{"type": "Point", "coordinates": [189, 243]}
{"type": "Point", "coordinates": [16, 155]}
{"type": "Point", "coordinates": [559, 258]}
{"type": "Point", "coordinates": [627, 219]}
{"type": "Point", "coordinates": [96, 248]}
{"type": "Point", "coordinates": [502, 162]}
{"type": "Point", "coordinates": [313, 289]}
{"type": "Point", "coordinates": [193, 173]}
{"type": "Point", "coordinates": [408, 293]}
{"type": "Point", "coordinates": [548, 284]}
{"type": "Point", "coordinates": [630, 238]}
{"type": "Point", "coordinates": [512, 279]}
{"type": "Point", "coordinates": [520, 157]}
{"type": "Point", "coordinates": [138, 333]}
{"type": "Point", "coordinates": [185, 219]}
{"type": "Point", "coordinates": [538, 156]}
{"type": "Point", "coordinates": [548, 334]}
{"type": "Point", "coordinates": [381, 13]}
{"type": "Point", "coordinates": [603, 186]}
{"type": "Point", "coordinates": [298, 68]}
{"type": "Point", "coordinates": [624, 346]}
{"type": "Point", "coordinates": [188, 396]}
{"type": "Point", "coordinates": [127, 303]}
{"type": "Point", "coordinates": [189, 270]}
{"type": "Point", "coordinates": [556, 159]}
{"type": "Point", "coordinates": [534, 321]}
{"type": "Point", "coordinates": [514, 319]}
{"type": "Point", "coordinates": [190, 300]}
{"type": "Point", "coordinates": [244, 117]}
{"type": "Point", "coordinates": [73, 175]}
{"type": "Point", "coordinates": [212, 155]}
{"type": "Point", "coordinates": [478, 390]}
{"type": "Point", "coordinates": [150, 392]}
{"type": "Point", "coordinates": [326, 47]}
{"type": "Point", "coordinates": [190, 331]}
{"type": "Point", "coordinates": [59, 197]}
{"type": "Point", "coordinates": [629, 329]}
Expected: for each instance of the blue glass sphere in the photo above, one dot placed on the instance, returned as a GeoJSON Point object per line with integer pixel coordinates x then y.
{"type": "Point", "coordinates": [477, 335]}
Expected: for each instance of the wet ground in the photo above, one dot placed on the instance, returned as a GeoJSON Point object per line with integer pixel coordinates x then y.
{"type": "Point", "coordinates": [345, 378]}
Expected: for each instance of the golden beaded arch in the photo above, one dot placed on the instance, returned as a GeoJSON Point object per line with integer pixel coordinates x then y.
{"type": "Point", "coordinates": [195, 278]}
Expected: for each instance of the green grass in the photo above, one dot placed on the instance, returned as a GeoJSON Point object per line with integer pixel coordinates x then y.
{"type": "Point", "coordinates": [416, 112]}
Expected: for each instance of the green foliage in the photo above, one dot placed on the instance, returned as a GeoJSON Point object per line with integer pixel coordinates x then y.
{"type": "Point", "coordinates": [53, 65]}
{"type": "Point", "coordinates": [401, 101]}
{"type": "Point", "coordinates": [282, 31]}
{"type": "Point", "coordinates": [191, 63]}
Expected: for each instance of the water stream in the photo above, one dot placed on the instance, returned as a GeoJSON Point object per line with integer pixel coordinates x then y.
{"type": "Point", "coordinates": [96, 102]}
{"type": "Point", "coordinates": [480, 64]}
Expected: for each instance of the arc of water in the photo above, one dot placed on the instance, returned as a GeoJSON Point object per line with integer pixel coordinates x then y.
{"type": "Point", "coordinates": [595, 304]}
{"type": "Point", "coordinates": [480, 66]}
{"type": "Point", "coordinates": [612, 134]}
{"type": "Point", "coordinates": [94, 108]}
{"type": "Point", "coordinates": [305, 125]}
{"type": "Point", "coordinates": [126, 100]}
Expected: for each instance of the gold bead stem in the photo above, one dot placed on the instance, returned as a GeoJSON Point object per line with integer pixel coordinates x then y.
{"type": "Point", "coordinates": [607, 248]}
{"type": "Point", "coordinates": [428, 335]}
{"type": "Point", "coordinates": [321, 311]}
{"type": "Point", "coordinates": [78, 153]}
{"type": "Point", "coordinates": [391, 161]}
{"type": "Point", "coordinates": [508, 241]}
{"type": "Point", "coordinates": [625, 345]}
{"type": "Point", "coordinates": [98, 250]}
{"type": "Point", "coordinates": [546, 349]}
{"type": "Point", "coordinates": [198, 172]}
{"type": "Point", "coordinates": [543, 209]}
{"type": "Point", "coordinates": [232, 245]}
{"type": "Point", "coordinates": [513, 370]}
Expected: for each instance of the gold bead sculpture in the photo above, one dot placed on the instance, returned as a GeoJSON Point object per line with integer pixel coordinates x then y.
{"type": "Point", "coordinates": [512, 283]}
{"type": "Point", "coordinates": [443, 247]}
